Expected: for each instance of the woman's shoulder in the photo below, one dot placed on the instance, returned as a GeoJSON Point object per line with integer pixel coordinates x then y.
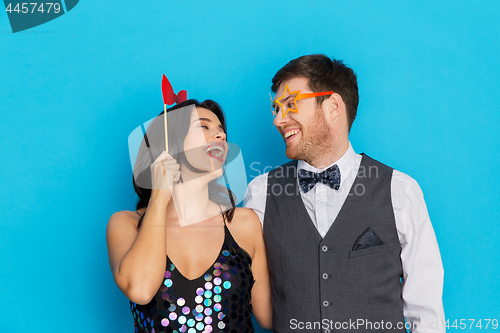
{"type": "Point", "coordinates": [246, 229]}
{"type": "Point", "coordinates": [124, 217]}
{"type": "Point", "coordinates": [246, 218]}
{"type": "Point", "coordinates": [246, 213]}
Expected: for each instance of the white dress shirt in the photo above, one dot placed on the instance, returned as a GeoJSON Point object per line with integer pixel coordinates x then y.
{"type": "Point", "coordinates": [422, 267]}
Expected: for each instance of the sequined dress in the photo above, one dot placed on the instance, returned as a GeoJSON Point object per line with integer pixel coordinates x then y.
{"type": "Point", "coordinates": [217, 301]}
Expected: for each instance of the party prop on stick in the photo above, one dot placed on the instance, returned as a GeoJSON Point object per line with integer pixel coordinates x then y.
{"type": "Point", "coordinates": [169, 98]}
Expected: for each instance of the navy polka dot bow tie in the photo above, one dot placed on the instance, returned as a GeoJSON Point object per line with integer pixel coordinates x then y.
{"type": "Point", "coordinates": [330, 177]}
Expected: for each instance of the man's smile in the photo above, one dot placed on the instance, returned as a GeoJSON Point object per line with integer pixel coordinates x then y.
{"type": "Point", "coordinates": [290, 133]}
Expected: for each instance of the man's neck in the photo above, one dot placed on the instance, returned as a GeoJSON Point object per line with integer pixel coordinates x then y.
{"type": "Point", "coordinates": [328, 156]}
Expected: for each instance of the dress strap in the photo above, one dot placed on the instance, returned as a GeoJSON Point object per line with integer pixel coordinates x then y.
{"type": "Point", "coordinates": [223, 217]}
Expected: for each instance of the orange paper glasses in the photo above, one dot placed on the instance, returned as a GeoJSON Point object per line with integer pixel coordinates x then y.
{"type": "Point", "coordinates": [287, 102]}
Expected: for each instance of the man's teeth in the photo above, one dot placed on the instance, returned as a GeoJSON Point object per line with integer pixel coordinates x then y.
{"type": "Point", "coordinates": [289, 134]}
{"type": "Point", "coordinates": [218, 153]}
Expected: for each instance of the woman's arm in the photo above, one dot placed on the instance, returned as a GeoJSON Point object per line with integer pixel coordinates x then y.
{"type": "Point", "coordinates": [137, 258]}
{"type": "Point", "coordinates": [249, 233]}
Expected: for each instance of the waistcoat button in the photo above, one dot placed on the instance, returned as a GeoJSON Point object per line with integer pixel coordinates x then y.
{"type": "Point", "coordinates": [326, 303]}
{"type": "Point", "coordinates": [325, 276]}
{"type": "Point", "coordinates": [324, 248]}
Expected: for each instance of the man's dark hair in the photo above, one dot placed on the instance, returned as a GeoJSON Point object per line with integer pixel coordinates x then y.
{"type": "Point", "coordinates": [323, 74]}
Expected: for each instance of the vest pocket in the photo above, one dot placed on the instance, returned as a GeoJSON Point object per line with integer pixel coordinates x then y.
{"type": "Point", "coordinates": [370, 250]}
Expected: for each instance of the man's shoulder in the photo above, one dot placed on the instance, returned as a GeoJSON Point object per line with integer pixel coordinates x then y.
{"type": "Point", "coordinates": [279, 171]}
{"type": "Point", "coordinates": [370, 161]}
{"type": "Point", "coordinates": [398, 177]}
{"type": "Point", "coordinates": [285, 170]}
{"type": "Point", "coordinates": [403, 186]}
{"type": "Point", "coordinates": [260, 180]}
{"type": "Point", "coordinates": [405, 183]}
{"type": "Point", "coordinates": [399, 180]}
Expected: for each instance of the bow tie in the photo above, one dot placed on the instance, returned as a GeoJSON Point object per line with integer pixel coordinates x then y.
{"type": "Point", "coordinates": [330, 177]}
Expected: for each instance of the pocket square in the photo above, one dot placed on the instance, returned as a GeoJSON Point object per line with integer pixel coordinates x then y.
{"type": "Point", "coordinates": [366, 240]}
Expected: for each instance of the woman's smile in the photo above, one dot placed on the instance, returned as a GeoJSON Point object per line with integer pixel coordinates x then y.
{"type": "Point", "coordinates": [216, 150]}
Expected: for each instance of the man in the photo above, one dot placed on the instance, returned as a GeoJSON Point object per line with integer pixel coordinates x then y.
{"type": "Point", "coordinates": [349, 241]}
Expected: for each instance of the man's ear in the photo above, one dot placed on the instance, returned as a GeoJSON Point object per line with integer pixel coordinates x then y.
{"type": "Point", "coordinates": [333, 106]}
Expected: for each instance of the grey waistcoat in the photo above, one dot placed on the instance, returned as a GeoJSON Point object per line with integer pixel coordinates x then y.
{"type": "Point", "coordinates": [319, 280]}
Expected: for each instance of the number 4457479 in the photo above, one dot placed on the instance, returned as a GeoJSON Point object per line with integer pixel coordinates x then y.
{"type": "Point", "coordinates": [472, 323]}
{"type": "Point", "coordinates": [25, 7]}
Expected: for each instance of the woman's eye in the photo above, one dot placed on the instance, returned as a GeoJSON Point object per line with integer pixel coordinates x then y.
{"type": "Point", "coordinates": [204, 126]}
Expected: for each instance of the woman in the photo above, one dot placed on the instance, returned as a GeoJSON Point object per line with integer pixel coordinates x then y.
{"type": "Point", "coordinates": [187, 259]}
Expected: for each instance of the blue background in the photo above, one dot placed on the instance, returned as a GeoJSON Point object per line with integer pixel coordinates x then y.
{"type": "Point", "coordinates": [73, 89]}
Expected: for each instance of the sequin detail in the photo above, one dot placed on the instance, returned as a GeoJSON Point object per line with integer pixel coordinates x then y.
{"type": "Point", "coordinates": [217, 301]}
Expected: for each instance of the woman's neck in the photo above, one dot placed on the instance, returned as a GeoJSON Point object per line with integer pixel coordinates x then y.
{"type": "Point", "coordinates": [190, 202]}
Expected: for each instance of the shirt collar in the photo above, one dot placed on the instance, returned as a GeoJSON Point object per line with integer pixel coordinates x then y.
{"type": "Point", "coordinates": [344, 163]}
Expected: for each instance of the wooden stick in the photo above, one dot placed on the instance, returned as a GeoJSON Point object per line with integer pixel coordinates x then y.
{"type": "Point", "coordinates": [212, 164]}
{"type": "Point", "coordinates": [166, 126]}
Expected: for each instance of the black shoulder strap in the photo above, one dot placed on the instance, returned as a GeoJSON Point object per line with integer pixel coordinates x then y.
{"type": "Point", "coordinates": [223, 216]}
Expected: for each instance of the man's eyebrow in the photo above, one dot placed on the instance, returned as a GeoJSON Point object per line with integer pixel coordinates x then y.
{"type": "Point", "coordinates": [284, 100]}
